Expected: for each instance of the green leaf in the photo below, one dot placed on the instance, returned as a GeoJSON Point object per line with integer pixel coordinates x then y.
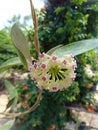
{"type": "Point", "coordinates": [22, 58]}
{"type": "Point", "coordinates": [21, 45]}
{"type": "Point", "coordinates": [10, 103]}
{"type": "Point", "coordinates": [8, 125]}
{"type": "Point", "coordinates": [53, 49]}
{"type": "Point", "coordinates": [10, 63]}
{"type": "Point", "coordinates": [13, 95]}
{"type": "Point", "coordinates": [76, 48]}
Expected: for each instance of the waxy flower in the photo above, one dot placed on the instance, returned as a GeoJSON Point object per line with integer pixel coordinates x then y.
{"type": "Point", "coordinates": [53, 73]}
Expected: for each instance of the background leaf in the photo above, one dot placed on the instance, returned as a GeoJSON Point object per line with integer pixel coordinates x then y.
{"type": "Point", "coordinates": [10, 63]}
{"type": "Point", "coordinates": [13, 95]}
{"type": "Point", "coordinates": [76, 48]}
{"type": "Point", "coordinates": [53, 49]}
{"type": "Point", "coordinates": [21, 45]}
{"type": "Point", "coordinates": [8, 125]}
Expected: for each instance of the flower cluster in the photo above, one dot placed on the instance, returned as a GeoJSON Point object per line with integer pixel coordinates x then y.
{"type": "Point", "coordinates": [53, 73]}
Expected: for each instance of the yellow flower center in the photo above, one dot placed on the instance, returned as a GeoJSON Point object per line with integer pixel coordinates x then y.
{"type": "Point", "coordinates": [57, 73]}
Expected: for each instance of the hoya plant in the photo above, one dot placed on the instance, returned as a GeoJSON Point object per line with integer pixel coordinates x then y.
{"type": "Point", "coordinates": [53, 71]}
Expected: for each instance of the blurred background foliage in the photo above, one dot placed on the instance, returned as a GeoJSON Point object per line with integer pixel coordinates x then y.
{"type": "Point", "coordinates": [60, 22]}
{"type": "Point", "coordinates": [7, 50]}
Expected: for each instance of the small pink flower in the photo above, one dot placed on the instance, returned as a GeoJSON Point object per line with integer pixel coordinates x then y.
{"type": "Point", "coordinates": [54, 88]}
{"type": "Point", "coordinates": [72, 56]}
{"type": "Point", "coordinates": [41, 55]}
{"type": "Point", "coordinates": [64, 62]}
{"type": "Point", "coordinates": [43, 66]}
{"type": "Point", "coordinates": [73, 67]}
{"type": "Point", "coordinates": [44, 78]}
{"type": "Point", "coordinates": [35, 66]}
{"type": "Point", "coordinates": [54, 58]}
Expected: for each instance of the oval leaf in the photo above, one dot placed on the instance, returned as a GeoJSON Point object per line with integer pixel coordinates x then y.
{"type": "Point", "coordinates": [8, 125]}
{"type": "Point", "coordinates": [76, 48]}
{"type": "Point", "coordinates": [21, 44]}
{"type": "Point", "coordinates": [11, 89]}
{"type": "Point", "coordinates": [10, 63]}
{"type": "Point", "coordinates": [13, 94]}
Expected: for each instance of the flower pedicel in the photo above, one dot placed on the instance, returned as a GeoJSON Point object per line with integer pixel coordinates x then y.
{"type": "Point", "coordinates": [53, 73]}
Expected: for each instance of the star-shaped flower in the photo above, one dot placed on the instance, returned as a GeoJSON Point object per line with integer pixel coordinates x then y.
{"type": "Point", "coordinates": [53, 73]}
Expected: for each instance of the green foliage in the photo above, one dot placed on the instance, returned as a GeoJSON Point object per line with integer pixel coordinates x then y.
{"type": "Point", "coordinates": [91, 58]}
{"type": "Point", "coordinates": [7, 50]}
{"type": "Point", "coordinates": [8, 125]}
{"type": "Point", "coordinates": [85, 100]}
{"type": "Point", "coordinates": [24, 53]}
{"type": "Point", "coordinates": [85, 80]}
{"type": "Point", "coordinates": [10, 63]}
{"type": "Point", "coordinates": [76, 48]}
{"type": "Point", "coordinates": [71, 21]}
{"type": "Point", "coordinates": [51, 109]}
{"type": "Point", "coordinates": [66, 23]}
{"type": "Point", "coordinates": [78, 2]}
{"type": "Point", "coordinates": [13, 95]}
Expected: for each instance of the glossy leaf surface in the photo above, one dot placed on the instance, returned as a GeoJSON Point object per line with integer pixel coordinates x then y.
{"type": "Point", "coordinates": [76, 48]}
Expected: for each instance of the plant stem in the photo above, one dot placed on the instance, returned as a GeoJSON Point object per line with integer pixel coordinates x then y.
{"type": "Point", "coordinates": [35, 23]}
{"type": "Point", "coordinates": [14, 115]}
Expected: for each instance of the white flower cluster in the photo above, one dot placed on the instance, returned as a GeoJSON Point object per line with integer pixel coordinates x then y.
{"type": "Point", "coordinates": [53, 73]}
